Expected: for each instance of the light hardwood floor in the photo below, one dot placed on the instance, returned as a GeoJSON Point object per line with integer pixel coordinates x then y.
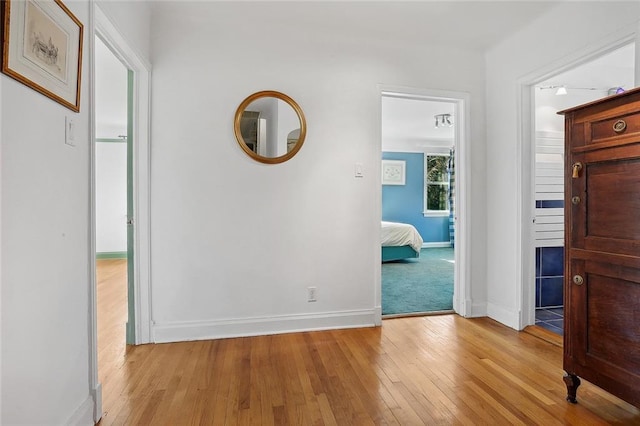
{"type": "Point", "coordinates": [411, 371]}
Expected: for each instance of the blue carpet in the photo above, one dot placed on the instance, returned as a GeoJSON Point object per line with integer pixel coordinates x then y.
{"type": "Point", "coordinates": [419, 285]}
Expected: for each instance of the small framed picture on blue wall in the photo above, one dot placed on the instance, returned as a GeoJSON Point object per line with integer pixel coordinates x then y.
{"type": "Point", "coordinates": [393, 172]}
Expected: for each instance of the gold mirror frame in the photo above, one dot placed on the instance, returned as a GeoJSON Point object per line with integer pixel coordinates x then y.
{"type": "Point", "coordinates": [245, 146]}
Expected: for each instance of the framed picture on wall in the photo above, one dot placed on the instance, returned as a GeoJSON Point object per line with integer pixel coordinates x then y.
{"type": "Point", "coordinates": [393, 172]}
{"type": "Point", "coordinates": [42, 48]}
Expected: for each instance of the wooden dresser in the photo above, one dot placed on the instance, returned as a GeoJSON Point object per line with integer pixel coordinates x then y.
{"type": "Point", "coordinates": [602, 246]}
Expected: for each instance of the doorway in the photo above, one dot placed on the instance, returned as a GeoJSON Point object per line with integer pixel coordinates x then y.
{"type": "Point", "coordinates": [138, 170]}
{"type": "Point", "coordinates": [113, 208]}
{"type": "Point", "coordinates": [603, 76]}
{"type": "Point", "coordinates": [423, 132]}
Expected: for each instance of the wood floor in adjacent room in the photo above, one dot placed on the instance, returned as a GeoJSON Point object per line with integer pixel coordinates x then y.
{"type": "Point", "coordinates": [411, 371]}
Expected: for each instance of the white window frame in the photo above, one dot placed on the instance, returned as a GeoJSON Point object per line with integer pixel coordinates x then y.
{"type": "Point", "coordinates": [426, 212]}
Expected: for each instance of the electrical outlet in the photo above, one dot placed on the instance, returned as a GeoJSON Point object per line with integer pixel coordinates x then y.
{"type": "Point", "coordinates": [311, 294]}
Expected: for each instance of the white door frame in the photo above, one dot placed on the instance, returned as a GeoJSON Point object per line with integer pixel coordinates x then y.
{"type": "Point", "coordinates": [462, 303]}
{"type": "Point", "coordinates": [108, 33]}
{"type": "Point", "coordinates": [525, 266]}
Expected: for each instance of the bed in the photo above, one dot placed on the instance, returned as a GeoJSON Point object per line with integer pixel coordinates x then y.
{"type": "Point", "coordinates": [400, 241]}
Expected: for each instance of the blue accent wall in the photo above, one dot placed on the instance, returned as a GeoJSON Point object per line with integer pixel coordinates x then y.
{"type": "Point", "coordinates": [404, 203]}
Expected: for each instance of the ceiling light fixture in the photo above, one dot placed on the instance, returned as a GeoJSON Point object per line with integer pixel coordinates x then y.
{"type": "Point", "coordinates": [443, 120]}
{"type": "Point", "coordinates": [562, 89]}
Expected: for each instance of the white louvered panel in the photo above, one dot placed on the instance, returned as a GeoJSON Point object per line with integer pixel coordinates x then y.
{"type": "Point", "coordinates": [549, 158]}
{"type": "Point", "coordinates": [547, 180]}
{"type": "Point", "coordinates": [552, 169]}
{"type": "Point", "coordinates": [549, 185]}
{"type": "Point", "coordinates": [549, 227]}
{"type": "Point", "coordinates": [550, 145]}
{"type": "Point", "coordinates": [550, 196]}
{"type": "Point", "coordinates": [552, 235]}
{"type": "Point", "coordinates": [557, 187]}
{"type": "Point", "coordinates": [550, 215]}
{"type": "Point", "coordinates": [551, 150]}
{"type": "Point", "coordinates": [549, 171]}
{"type": "Point", "coordinates": [549, 161]}
{"type": "Point", "coordinates": [552, 242]}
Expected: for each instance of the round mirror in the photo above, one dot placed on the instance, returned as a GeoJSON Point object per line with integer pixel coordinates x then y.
{"type": "Point", "coordinates": [270, 127]}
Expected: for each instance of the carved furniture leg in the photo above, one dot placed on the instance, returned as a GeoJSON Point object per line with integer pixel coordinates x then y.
{"type": "Point", "coordinates": [572, 381]}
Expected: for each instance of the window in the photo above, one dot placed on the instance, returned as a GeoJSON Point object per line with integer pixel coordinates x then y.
{"type": "Point", "coordinates": [436, 185]}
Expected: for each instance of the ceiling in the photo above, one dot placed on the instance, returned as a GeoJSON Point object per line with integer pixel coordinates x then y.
{"type": "Point", "coordinates": [471, 25]}
{"type": "Point", "coordinates": [468, 25]}
{"type": "Point", "coordinates": [614, 69]}
{"type": "Point", "coordinates": [409, 124]}
{"type": "Point", "coordinates": [584, 83]}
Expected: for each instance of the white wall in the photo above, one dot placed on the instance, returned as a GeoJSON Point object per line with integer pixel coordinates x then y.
{"type": "Point", "coordinates": [133, 20]}
{"type": "Point", "coordinates": [110, 157]}
{"type": "Point", "coordinates": [111, 197]}
{"type": "Point", "coordinates": [236, 243]}
{"type": "Point", "coordinates": [45, 250]}
{"type": "Point", "coordinates": [110, 92]}
{"type": "Point", "coordinates": [45, 255]}
{"type": "Point", "coordinates": [554, 38]}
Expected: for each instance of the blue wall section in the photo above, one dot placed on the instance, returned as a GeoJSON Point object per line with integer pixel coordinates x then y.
{"type": "Point", "coordinates": [404, 203]}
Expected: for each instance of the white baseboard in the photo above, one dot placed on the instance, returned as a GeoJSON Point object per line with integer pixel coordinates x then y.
{"type": "Point", "coordinates": [378, 316]}
{"type": "Point", "coordinates": [474, 309]}
{"type": "Point", "coordinates": [97, 398]}
{"type": "Point", "coordinates": [242, 327]}
{"type": "Point", "coordinates": [506, 316]}
{"type": "Point", "coordinates": [478, 309]}
{"type": "Point", "coordinates": [83, 416]}
{"type": "Point", "coordinates": [437, 244]}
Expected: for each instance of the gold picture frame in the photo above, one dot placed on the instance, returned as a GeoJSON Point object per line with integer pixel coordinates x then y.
{"type": "Point", "coordinates": [42, 48]}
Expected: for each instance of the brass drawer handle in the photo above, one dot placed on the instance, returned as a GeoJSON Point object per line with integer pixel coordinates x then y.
{"type": "Point", "coordinates": [578, 280]}
{"type": "Point", "coordinates": [619, 126]}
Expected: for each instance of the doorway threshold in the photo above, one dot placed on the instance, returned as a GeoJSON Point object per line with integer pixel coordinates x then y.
{"type": "Point", "coordinates": [418, 314]}
{"type": "Point", "coordinates": [544, 334]}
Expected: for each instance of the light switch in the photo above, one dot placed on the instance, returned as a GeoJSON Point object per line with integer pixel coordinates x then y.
{"type": "Point", "coordinates": [69, 131]}
{"type": "Point", "coordinates": [358, 170]}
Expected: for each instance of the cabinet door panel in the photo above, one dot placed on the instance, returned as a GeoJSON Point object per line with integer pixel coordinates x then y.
{"type": "Point", "coordinates": [613, 200]}
{"type": "Point", "coordinates": [612, 322]}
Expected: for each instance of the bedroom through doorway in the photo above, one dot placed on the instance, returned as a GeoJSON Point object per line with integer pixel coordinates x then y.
{"type": "Point", "coordinates": [418, 270]}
